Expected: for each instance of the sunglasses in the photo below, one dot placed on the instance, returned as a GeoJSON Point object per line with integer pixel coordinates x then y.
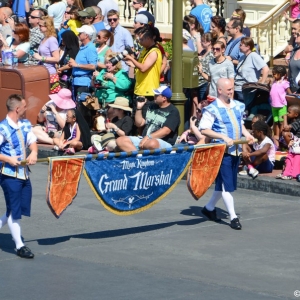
{"type": "Point", "coordinates": [83, 18]}
{"type": "Point", "coordinates": [33, 17]}
{"type": "Point", "coordinates": [216, 49]}
{"type": "Point", "coordinates": [112, 19]}
{"type": "Point", "coordinates": [67, 12]}
{"type": "Point", "coordinates": [99, 36]}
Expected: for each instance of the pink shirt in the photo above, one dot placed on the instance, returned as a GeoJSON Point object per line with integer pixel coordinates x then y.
{"type": "Point", "coordinates": [295, 11]}
{"type": "Point", "coordinates": [278, 93]}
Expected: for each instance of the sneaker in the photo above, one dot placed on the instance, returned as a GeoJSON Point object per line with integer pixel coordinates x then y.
{"type": "Point", "coordinates": [25, 252]}
{"type": "Point", "coordinates": [235, 224]}
{"type": "Point", "coordinates": [92, 150]}
{"type": "Point", "coordinates": [244, 172]}
{"type": "Point", "coordinates": [279, 176]}
{"type": "Point", "coordinates": [283, 177]}
{"type": "Point", "coordinates": [253, 173]}
{"type": "Point", "coordinates": [211, 215]}
{"type": "Point", "coordinates": [70, 151]}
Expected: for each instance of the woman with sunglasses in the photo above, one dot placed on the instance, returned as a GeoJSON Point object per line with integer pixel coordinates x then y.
{"type": "Point", "coordinates": [219, 67]}
{"type": "Point", "coordinates": [18, 42]}
{"type": "Point", "coordinates": [114, 81]}
{"type": "Point", "coordinates": [48, 52]}
{"type": "Point", "coordinates": [104, 40]}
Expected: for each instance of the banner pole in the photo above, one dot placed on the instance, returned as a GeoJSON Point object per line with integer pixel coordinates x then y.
{"type": "Point", "coordinates": [118, 154]}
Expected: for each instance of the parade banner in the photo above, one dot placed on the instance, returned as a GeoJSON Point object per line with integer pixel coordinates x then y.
{"type": "Point", "coordinates": [130, 185]}
{"type": "Point", "coordinates": [63, 181]}
{"type": "Point", "coordinates": [204, 168]}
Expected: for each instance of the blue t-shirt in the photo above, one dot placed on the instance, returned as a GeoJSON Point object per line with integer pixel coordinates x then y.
{"type": "Point", "coordinates": [20, 12]}
{"type": "Point", "coordinates": [99, 26]}
{"type": "Point", "coordinates": [203, 13]}
{"type": "Point", "coordinates": [233, 48]}
{"type": "Point", "coordinates": [87, 55]}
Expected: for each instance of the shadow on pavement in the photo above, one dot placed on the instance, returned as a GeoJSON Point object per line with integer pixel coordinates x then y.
{"type": "Point", "coordinates": [7, 244]}
{"type": "Point", "coordinates": [117, 232]}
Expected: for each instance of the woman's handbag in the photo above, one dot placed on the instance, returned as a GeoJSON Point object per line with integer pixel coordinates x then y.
{"type": "Point", "coordinates": [90, 102]}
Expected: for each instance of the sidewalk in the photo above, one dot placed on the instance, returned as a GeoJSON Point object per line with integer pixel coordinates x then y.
{"type": "Point", "coordinates": [265, 183]}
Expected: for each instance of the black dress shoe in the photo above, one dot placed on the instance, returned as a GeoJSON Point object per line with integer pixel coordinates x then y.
{"type": "Point", "coordinates": [235, 224]}
{"type": "Point", "coordinates": [211, 215]}
{"type": "Point", "coordinates": [25, 252]}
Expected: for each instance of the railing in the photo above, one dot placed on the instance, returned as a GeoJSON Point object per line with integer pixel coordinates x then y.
{"type": "Point", "coordinates": [271, 32]}
{"type": "Point", "coordinates": [162, 10]}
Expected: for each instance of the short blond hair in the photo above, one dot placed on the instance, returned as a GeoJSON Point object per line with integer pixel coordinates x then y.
{"type": "Point", "coordinates": [110, 56]}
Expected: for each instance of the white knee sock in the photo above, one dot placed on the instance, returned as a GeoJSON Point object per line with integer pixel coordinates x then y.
{"type": "Point", "coordinates": [15, 230]}
{"type": "Point", "coordinates": [229, 203]}
{"type": "Point", "coordinates": [216, 196]}
{"type": "Point", "coordinates": [3, 220]}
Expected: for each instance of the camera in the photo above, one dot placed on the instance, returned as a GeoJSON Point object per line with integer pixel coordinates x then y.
{"type": "Point", "coordinates": [14, 17]}
{"type": "Point", "coordinates": [197, 122]}
{"type": "Point", "coordinates": [48, 108]}
{"type": "Point", "coordinates": [140, 99]}
{"type": "Point", "coordinates": [121, 55]}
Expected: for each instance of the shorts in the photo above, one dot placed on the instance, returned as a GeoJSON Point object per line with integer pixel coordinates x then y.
{"type": "Point", "coordinates": [278, 113]}
{"type": "Point", "coordinates": [136, 141]}
{"type": "Point", "coordinates": [265, 167]}
{"type": "Point", "coordinates": [227, 175]}
{"type": "Point", "coordinates": [17, 195]}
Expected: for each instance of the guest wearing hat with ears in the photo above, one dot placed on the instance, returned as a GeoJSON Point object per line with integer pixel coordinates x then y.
{"type": "Point", "coordinates": [160, 124]}
{"type": "Point", "coordinates": [53, 116]}
{"type": "Point", "coordinates": [120, 125]}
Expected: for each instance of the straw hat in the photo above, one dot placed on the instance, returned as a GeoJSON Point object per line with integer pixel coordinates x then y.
{"type": "Point", "coordinates": [63, 99]}
{"type": "Point", "coordinates": [100, 141]}
{"type": "Point", "coordinates": [121, 103]}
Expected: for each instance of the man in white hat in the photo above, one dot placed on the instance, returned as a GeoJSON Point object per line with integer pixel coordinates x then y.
{"type": "Point", "coordinates": [85, 62]}
{"type": "Point", "coordinates": [139, 7]}
{"type": "Point", "coordinates": [160, 124]}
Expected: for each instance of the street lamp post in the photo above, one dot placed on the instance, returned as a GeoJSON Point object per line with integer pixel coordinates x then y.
{"type": "Point", "coordinates": [178, 98]}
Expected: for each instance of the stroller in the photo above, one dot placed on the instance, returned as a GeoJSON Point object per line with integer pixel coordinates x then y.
{"type": "Point", "coordinates": [256, 99]}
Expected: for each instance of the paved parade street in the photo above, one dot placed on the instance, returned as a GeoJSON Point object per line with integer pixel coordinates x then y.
{"type": "Point", "coordinates": [167, 252]}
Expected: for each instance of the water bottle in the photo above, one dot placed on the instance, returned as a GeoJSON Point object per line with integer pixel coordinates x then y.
{"type": "Point", "coordinates": [67, 58]}
{"type": "Point", "coordinates": [15, 58]}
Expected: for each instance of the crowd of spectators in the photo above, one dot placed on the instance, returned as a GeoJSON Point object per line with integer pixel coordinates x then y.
{"type": "Point", "coordinates": [88, 52]}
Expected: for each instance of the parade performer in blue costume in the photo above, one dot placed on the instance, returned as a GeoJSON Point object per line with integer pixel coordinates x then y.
{"type": "Point", "coordinates": [15, 136]}
{"type": "Point", "coordinates": [222, 121]}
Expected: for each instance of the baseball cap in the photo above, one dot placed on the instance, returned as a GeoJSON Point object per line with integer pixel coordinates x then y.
{"type": "Point", "coordinates": [86, 29]}
{"type": "Point", "coordinates": [164, 91]}
{"type": "Point", "coordinates": [141, 19]}
{"type": "Point", "coordinates": [87, 12]}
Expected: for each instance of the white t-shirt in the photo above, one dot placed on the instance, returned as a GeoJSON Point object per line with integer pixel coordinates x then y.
{"type": "Point", "coordinates": [57, 11]}
{"type": "Point", "coordinates": [23, 46]}
{"type": "Point", "coordinates": [107, 5]}
{"type": "Point", "coordinates": [271, 151]}
{"type": "Point", "coordinates": [51, 123]}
